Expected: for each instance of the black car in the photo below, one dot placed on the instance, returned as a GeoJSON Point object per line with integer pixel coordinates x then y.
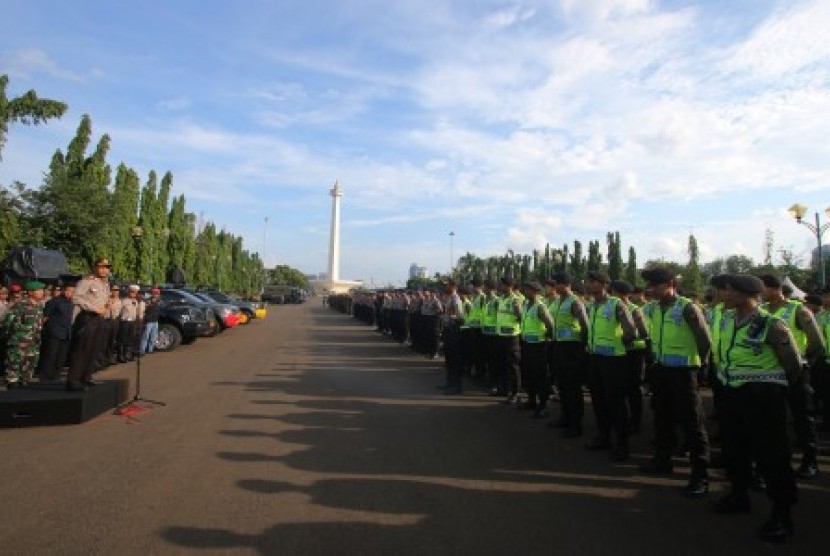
{"type": "Point", "coordinates": [179, 323]}
{"type": "Point", "coordinates": [216, 312]}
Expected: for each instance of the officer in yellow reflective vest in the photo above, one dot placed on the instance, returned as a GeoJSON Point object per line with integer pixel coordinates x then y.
{"type": "Point", "coordinates": [489, 340]}
{"type": "Point", "coordinates": [611, 330]}
{"type": "Point", "coordinates": [536, 329]}
{"type": "Point", "coordinates": [680, 344]}
{"type": "Point", "coordinates": [810, 344]}
{"type": "Point", "coordinates": [714, 315]}
{"type": "Point", "coordinates": [570, 336]}
{"type": "Point", "coordinates": [478, 303]}
{"type": "Point", "coordinates": [758, 359]}
{"type": "Point", "coordinates": [508, 328]}
{"type": "Point", "coordinates": [635, 354]}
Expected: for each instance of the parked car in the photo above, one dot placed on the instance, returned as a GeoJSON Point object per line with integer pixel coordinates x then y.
{"type": "Point", "coordinates": [180, 323]}
{"type": "Point", "coordinates": [226, 316]}
{"type": "Point", "coordinates": [249, 310]}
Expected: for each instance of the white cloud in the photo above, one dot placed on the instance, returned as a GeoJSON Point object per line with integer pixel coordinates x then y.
{"type": "Point", "coordinates": [34, 61]}
{"type": "Point", "coordinates": [603, 9]}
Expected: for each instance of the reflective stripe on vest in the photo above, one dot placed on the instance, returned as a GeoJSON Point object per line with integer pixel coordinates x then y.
{"type": "Point", "coordinates": [672, 341]}
{"type": "Point", "coordinates": [749, 358]}
{"type": "Point", "coordinates": [605, 334]}
{"type": "Point", "coordinates": [533, 329]}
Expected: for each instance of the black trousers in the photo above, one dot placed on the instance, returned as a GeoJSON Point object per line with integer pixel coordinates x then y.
{"type": "Point", "coordinates": [128, 337]}
{"type": "Point", "coordinates": [431, 330]}
{"type": "Point", "coordinates": [677, 403]}
{"type": "Point", "coordinates": [509, 357]}
{"type": "Point", "coordinates": [754, 425]}
{"type": "Point", "coordinates": [569, 361]}
{"type": "Point", "coordinates": [87, 339]}
{"type": "Point", "coordinates": [607, 383]}
{"type": "Point", "coordinates": [534, 369]}
{"type": "Point", "coordinates": [453, 358]}
{"type": "Point", "coordinates": [636, 366]}
{"type": "Point", "coordinates": [53, 354]}
{"type": "Point", "coordinates": [798, 397]}
{"type": "Point", "coordinates": [490, 362]}
{"type": "Point", "coordinates": [820, 375]}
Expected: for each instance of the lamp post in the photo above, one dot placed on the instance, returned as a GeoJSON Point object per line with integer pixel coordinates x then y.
{"type": "Point", "coordinates": [452, 258]}
{"type": "Point", "coordinates": [798, 211]}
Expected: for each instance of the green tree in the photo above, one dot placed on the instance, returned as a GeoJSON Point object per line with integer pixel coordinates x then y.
{"type": "Point", "coordinates": [615, 261]}
{"type": "Point", "coordinates": [284, 275]}
{"type": "Point", "coordinates": [632, 275]}
{"type": "Point", "coordinates": [578, 262]}
{"type": "Point", "coordinates": [594, 256]}
{"type": "Point", "coordinates": [692, 279]}
{"type": "Point", "coordinates": [119, 241]}
{"type": "Point", "coordinates": [26, 109]}
{"type": "Point", "coordinates": [75, 200]}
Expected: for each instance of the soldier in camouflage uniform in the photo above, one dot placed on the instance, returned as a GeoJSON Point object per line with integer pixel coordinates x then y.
{"type": "Point", "coordinates": [23, 325]}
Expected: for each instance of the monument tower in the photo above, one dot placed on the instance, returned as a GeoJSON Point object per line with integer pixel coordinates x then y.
{"type": "Point", "coordinates": [333, 283]}
{"type": "Point", "coordinates": [334, 242]}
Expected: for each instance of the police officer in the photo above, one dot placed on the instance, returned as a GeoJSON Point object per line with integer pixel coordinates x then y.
{"type": "Point", "coordinates": [758, 358]}
{"type": "Point", "coordinates": [92, 301]}
{"type": "Point", "coordinates": [478, 302]}
{"type": "Point", "coordinates": [680, 344]}
{"type": "Point", "coordinates": [810, 344]}
{"type": "Point", "coordinates": [57, 330]}
{"type": "Point", "coordinates": [489, 340]}
{"type": "Point", "coordinates": [130, 317]}
{"type": "Point", "coordinates": [570, 337]}
{"type": "Point", "coordinates": [536, 330]}
{"type": "Point", "coordinates": [611, 329]}
{"type": "Point", "coordinates": [635, 354]}
{"type": "Point", "coordinates": [23, 325]}
{"type": "Point", "coordinates": [508, 350]}
{"type": "Point", "coordinates": [109, 331]}
{"type": "Point", "coordinates": [452, 318]}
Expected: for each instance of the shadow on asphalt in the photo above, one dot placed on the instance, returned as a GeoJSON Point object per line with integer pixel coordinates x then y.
{"type": "Point", "coordinates": [388, 466]}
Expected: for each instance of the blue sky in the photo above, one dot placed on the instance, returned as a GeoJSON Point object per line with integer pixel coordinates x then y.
{"type": "Point", "coordinates": [508, 123]}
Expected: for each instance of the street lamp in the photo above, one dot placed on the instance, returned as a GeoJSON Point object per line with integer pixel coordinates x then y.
{"type": "Point", "coordinates": [798, 211]}
{"type": "Point", "coordinates": [452, 258]}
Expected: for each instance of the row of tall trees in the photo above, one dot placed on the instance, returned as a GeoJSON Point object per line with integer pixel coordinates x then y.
{"type": "Point", "coordinates": [85, 212]}
{"type": "Point", "coordinates": [694, 276]}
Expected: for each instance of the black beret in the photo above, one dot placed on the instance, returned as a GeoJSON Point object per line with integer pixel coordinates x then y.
{"type": "Point", "coordinates": [564, 278]}
{"type": "Point", "coordinates": [659, 275]}
{"type": "Point", "coordinates": [622, 287]}
{"type": "Point", "coordinates": [719, 281]}
{"type": "Point", "coordinates": [533, 285]}
{"type": "Point", "coordinates": [450, 282]}
{"type": "Point", "coordinates": [813, 299]}
{"type": "Point", "coordinates": [477, 282]}
{"type": "Point", "coordinates": [599, 276]}
{"type": "Point", "coordinates": [490, 284]}
{"type": "Point", "coordinates": [507, 281]}
{"type": "Point", "coordinates": [638, 289]}
{"type": "Point", "coordinates": [745, 283]}
{"type": "Point", "coordinates": [770, 280]}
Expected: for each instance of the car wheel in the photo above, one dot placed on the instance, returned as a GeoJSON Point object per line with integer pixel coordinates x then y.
{"type": "Point", "coordinates": [168, 338]}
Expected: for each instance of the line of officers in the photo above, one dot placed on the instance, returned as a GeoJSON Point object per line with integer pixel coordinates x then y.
{"type": "Point", "coordinates": [762, 353]}
{"type": "Point", "coordinates": [86, 326]}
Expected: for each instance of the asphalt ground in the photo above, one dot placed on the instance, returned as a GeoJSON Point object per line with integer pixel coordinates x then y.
{"type": "Point", "coordinates": [309, 433]}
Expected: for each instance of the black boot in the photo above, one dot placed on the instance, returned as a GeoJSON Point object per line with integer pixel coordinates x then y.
{"type": "Point", "coordinates": [779, 527]}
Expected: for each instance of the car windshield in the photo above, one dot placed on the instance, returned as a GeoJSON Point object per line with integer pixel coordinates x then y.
{"type": "Point", "coordinates": [176, 295]}
{"type": "Point", "coordinates": [218, 296]}
{"type": "Point", "coordinates": [204, 297]}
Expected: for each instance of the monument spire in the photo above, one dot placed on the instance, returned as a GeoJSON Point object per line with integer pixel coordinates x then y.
{"type": "Point", "coordinates": [334, 242]}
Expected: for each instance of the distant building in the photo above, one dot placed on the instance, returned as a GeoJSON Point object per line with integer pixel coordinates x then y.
{"type": "Point", "coordinates": [416, 271]}
{"type": "Point", "coordinates": [814, 255]}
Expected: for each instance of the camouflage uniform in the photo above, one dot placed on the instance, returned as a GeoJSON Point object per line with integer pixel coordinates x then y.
{"type": "Point", "coordinates": [23, 325]}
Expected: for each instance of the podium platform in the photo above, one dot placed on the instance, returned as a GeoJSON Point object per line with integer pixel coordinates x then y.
{"type": "Point", "coordinates": [51, 404]}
